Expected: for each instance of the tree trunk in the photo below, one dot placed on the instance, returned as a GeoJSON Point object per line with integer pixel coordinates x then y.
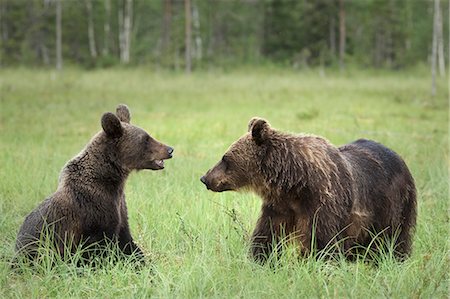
{"type": "Point", "coordinates": [120, 30]}
{"type": "Point", "coordinates": [40, 35]}
{"type": "Point", "coordinates": [341, 34]}
{"type": "Point", "coordinates": [409, 26]}
{"type": "Point", "coordinates": [389, 49]}
{"type": "Point", "coordinates": [125, 20]}
{"type": "Point", "coordinates": [167, 24]}
{"type": "Point", "coordinates": [197, 33]}
{"type": "Point", "coordinates": [211, 25]}
{"type": "Point", "coordinates": [378, 51]}
{"type": "Point", "coordinates": [59, 61]}
{"type": "Point", "coordinates": [434, 48]}
{"type": "Point", "coordinates": [4, 28]}
{"type": "Point", "coordinates": [440, 40]}
{"type": "Point", "coordinates": [38, 14]}
{"type": "Point", "coordinates": [107, 27]}
{"type": "Point", "coordinates": [91, 32]}
{"type": "Point", "coordinates": [44, 54]}
{"type": "Point", "coordinates": [188, 34]}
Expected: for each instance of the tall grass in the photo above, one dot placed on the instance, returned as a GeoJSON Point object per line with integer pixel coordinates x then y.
{"type": "Point", "coordinates": [196, 241]}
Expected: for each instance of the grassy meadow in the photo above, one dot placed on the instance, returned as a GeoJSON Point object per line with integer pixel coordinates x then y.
{"type": "Point", "coordinates": [196, 241]}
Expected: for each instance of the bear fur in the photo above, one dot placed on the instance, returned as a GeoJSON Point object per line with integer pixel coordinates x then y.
{"type": "Point", "coordinates": [88, 208]}
{"type": "Point", "coordinates": [318, 195]}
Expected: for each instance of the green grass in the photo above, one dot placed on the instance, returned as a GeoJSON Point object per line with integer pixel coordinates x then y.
{"type": "Point", "coordinates": [196, 239]}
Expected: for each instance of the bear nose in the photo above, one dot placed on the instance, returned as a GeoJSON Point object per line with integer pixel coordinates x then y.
{"type": "Point", "coordinates": [170, 151]}
{"type": "Point", "coordinates": [203, 180]}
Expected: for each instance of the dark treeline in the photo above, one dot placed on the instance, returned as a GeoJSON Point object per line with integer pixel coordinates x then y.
{"type": "Point", "coordinates": [181, 34]}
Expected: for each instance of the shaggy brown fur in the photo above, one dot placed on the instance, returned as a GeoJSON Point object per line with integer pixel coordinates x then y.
{"type": "Point", "coordinates": [89, 205]}
{"type": "Point", "coordinates": [341, 196]}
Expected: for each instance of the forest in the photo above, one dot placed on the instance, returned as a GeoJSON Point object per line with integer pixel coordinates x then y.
{"type": "Point", "coordinates": [199, 34]}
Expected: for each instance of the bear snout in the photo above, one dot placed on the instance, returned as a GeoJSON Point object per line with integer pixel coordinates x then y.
{"type": "Point", "coordinates": [203, 180]}
{"type": "Point", "coordinates": [215, 185]}
{"type": "Point", "coordinates": [209, 184]}
{"type": "Point", "coordinates": [170, 151]}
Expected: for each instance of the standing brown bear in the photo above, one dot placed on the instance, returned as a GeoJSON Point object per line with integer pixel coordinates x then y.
{"type": "Point", "coordinates": [88, 209]}
{"type": "Point", "coordinates": [318, 195]}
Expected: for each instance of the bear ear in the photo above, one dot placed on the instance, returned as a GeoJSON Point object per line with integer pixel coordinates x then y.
{"type": "Point", "coordinates": [123, 113]}
{"type": "Point", "coordinates": [111, 125]}
{"type": "Point", "coordinates": [259, 128]}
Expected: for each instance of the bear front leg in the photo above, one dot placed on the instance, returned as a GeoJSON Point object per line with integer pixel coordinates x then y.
{"type": "Point", "coordinates": [126, 243]}
{"type": "Point", "coordinates": [267, 233]}
{"type": "Point", "coordinates": [262, 242]}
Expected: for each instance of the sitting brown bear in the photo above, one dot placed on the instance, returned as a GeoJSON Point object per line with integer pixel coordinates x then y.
{"type": "Point", "coordinates": [319, 195]}
{"type": "Point", "coordinates": [88, 208]}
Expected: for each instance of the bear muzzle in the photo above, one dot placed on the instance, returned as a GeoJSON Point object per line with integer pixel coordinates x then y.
{"type": "Point", "coordinates": [214, 186]}
{"type": "Point", "coordinates": [158, 164]}
{"type": "Point", "coordinates": [203, 180]}
{"type": "Point", "coordinates": [169, 151]}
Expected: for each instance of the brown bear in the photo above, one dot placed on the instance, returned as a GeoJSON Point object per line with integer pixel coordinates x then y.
{"type": "Point", "coordinates": [318, 195]}
{"type": "Point", "coordinates": [88, 209]}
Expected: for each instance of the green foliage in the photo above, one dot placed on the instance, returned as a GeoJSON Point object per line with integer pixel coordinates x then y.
{"type": "Point", "coordinates": [298, 30]}
{"type": "Point", "coordinates": [196, 241]}
{"type": "Point", "coordinates": [297, 33]}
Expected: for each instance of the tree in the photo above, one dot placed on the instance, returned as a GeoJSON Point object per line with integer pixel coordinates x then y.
{"type": "Point", "coordinates": [59, 61]}
{"type": "Point", "coordinates": [332, 34]}
{"type": "Point", "coordinates": [188, 35]}
{"type": "Point", "coordinates": [107, 28]}
{"type": "Point", "coordinates": [197, 33]}
{"type": "Point", "coordinates": [342, 33]}
{"type": "Point", "coordinates": [4, 33]}
{"type": "Point", "coordinates": [440, 42]}
{"type": "Point", "coordinates": [125, 20]}
{"type": "Point", "coordinates": [127, 28]}
{"type": "Point", "coordinates": [166, 25]}
{"type": "Point", "coordinates": [91, 32]}
{"type": "Point", "coordinates": [435, 51]}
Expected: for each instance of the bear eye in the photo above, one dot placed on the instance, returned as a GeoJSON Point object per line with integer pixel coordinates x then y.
{"type": "Point", "coordinates": [226, 161]}
{"type": "Point", "coordinates": [145, 139]}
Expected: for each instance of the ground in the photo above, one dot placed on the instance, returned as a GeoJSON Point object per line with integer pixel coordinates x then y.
{"type": "Point", "coordinates": [197, 241]}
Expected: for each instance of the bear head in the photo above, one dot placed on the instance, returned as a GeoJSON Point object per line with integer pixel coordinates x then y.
{"type": "Point", "coordinates": [240, 165]}
{"type": "Point", "coordinates": [136, 148]}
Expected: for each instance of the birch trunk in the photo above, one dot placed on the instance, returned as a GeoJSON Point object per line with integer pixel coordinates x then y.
{"type": "Point", "coordinates": [121, 33]}
{"type": "Point", "coordinates": [167, 24]}
{"type": "Point", "coordinates": [107, 27]}
{"type": "Point", "coordinates": [434, 48]}
{"type": "Point", "coordinates": [197, 33]}
{"type": "Point", "coordinates": [4, 28]}
{"type": "Point", "coordinates": [91, 32]}
{"type": "Point", "coordinates": [188, 33]}
{"type": "Point", "coordinates": [342, 33]}
{"type": "Point", "coordinates": [440, 42]}
{"type": "Point", "coordinates": [127, 19]}
{"type": "Point", "coordinates": [59, 61]}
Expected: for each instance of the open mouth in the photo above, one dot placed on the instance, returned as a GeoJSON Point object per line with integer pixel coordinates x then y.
{"type": "Point", "coordinates": [157, 165]}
